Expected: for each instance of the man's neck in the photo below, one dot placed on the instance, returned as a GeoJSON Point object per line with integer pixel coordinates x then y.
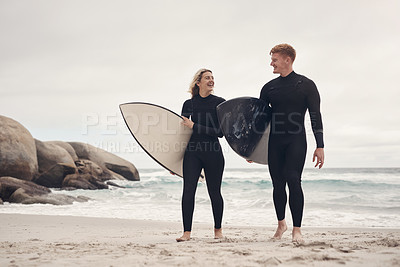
{"type": "Point", "coordinates": [286, 73]}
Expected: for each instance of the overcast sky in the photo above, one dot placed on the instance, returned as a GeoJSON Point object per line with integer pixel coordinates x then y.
{"type": "Point", "coordinates": [65, 66]}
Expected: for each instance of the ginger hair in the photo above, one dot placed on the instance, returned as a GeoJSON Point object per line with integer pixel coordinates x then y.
{"type": "Point", "coordinates": [284, 49]}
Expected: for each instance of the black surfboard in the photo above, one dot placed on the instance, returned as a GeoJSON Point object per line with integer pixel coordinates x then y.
{"type": "Point", "coordinates": [245, 123]}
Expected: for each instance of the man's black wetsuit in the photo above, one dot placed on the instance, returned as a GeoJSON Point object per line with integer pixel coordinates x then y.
{"type": "Point", "coordinates": [203, 151]}
{"type": "Point", "coordinates": [289, 98]}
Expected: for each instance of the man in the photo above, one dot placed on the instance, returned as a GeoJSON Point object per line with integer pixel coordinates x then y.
{"type": "Point", "coordinates": [290, 95]}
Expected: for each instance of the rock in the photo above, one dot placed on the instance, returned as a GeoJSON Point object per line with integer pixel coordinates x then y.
{"type": "Point", "coordinates": [89, 167]}
{"type": "Point", "coordinates": [55, 163]}
{"type": "Point", "coordinates": [110, 175]}
{"type": "Point", "coordinates": [8, 185]}
{"type": "Point", "coordinates": [1, 201]}
{"type": "Point", "coordinates": [86, 166]}
{"type": "Point", "coordinates": [83, 181]}
{"type": "Point", "coordinates": [26, 192]}
{"type": "Point", "coordinates": [21, 196]}
{"type": "Point", "coordinates": [54, 177]}
{"type": "Point", "coordinates": [83, 198]}
{"type": "Point", "coordinates": [111, 164]}
{"type": "Point", "coordinates": [124, 171]}
{"type": "Point", "coordinates": [17, 150]}
{"type": "Point", "coordinates": [114, 184]}
{"type": "Point", "coordinates": [67, 147]}
{"type": "Point", "coordinates": [50, 154]}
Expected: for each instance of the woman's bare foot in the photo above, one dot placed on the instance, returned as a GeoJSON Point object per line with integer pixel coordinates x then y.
{"type": "Point", "coordinates": [184, 237]}
{"type": "Point", "coordinates": [282, 227]}
{"type": "Point", "coordinates": [218, 233]}
{"type": "Point", "coordinates": [297, 237]}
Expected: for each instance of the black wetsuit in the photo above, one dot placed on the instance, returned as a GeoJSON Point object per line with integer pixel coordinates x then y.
{"type": "Point", "coordinates": [203, 151]}
{"type": "Point", "coordinates": [289, 98]}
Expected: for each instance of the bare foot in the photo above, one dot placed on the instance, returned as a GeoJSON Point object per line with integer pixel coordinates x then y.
{"type": "Point", "coordinates": [218, 233]}
{"type": "Point", "coordinates": [297, 237]}
{"type": "Point", "coordinates": [282, 227]}
{"type": "Point", "coordinates": [184, 237]}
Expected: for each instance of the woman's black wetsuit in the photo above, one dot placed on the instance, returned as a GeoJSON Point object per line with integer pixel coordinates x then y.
{"type": "Point", "coordinates": [289, 98]}
{"type": "Point", "coordinates": [203, 151]}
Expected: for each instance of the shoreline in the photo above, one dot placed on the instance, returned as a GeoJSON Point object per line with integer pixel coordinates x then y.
{"type": "Point", "coordinates": [204, 224]}
{"type": "Point", "coordinates": [53, 240]}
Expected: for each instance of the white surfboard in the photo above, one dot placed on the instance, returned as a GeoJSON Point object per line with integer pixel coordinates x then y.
{"type": "Point", "coordinates": [159, 132]}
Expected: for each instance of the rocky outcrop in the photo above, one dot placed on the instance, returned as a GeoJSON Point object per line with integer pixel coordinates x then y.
{"type": "Point", "coordinates": [17, 150]}
{"type": "Point", "coordinates": [89, 167]}
{"type": "Point", "coordinates": [26, 192]}
{"type": "Point", "coordinates": [53, 164]}
{"type": "Point", "coordinates": [8, 185]}
{"type": "Point", "coordinates": [54, 177]}
{"type": "Point", "coordinates": [50, 154]}
{"type": "Point", "coordinates": [114, 166]}
{"type": "Point", "coordinates": [83, 181]}
{"type": "Point", "coordinates": [67, 147]}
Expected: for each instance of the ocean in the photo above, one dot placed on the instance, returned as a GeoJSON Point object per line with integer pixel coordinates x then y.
{"type": "Point", "coordinates": [334, 197]}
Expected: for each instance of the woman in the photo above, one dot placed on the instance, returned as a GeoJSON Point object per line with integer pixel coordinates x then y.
{"type": "Point", "coordinates": [203, 151]}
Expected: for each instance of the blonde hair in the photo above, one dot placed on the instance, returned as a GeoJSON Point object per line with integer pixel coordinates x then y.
{"type": "Point", "coordinates": [194, 88]}
{"type": "Point", "coordinates": [284, 49]}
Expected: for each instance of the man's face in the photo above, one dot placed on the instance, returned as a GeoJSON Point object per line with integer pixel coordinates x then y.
{"type": "Point", "coordinates": [280, 63]}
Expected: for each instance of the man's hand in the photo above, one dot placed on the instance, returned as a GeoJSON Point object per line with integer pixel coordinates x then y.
{"type": "Point", "coordinates": [188, 123]}
{"type": "Point", "coordinates": [319, 155]}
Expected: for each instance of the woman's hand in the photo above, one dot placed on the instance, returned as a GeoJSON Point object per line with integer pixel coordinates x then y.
{"type": "Point", "coordinates": [188, 123]}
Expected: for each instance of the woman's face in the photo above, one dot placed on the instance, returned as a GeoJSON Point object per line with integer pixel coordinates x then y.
{"type": "Point", "coordinates": [206, 84]}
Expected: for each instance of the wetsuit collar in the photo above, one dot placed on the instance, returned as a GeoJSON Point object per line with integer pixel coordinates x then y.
{"type": "Point", "coordinates": [289, 75]}
{"type": "Point", "coordinates": [200, 97]}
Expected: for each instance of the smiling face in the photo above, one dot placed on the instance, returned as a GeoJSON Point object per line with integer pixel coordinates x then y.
{"type": "Point", "coordinates": [206, 84]}
{"type": "Point", "coordinates": [282, 64]}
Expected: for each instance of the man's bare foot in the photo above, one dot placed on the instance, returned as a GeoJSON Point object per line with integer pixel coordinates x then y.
{"type": "Point", "coordinates": [184, 237]}
{"type": "Point", "coordinates": [218, 233]}
{"type": "Point", "coordinates": [297, 237]}
{"type": "Point", "coordinates": [282, 227]}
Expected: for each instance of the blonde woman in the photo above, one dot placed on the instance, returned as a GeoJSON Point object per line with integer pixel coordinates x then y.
{"type": "Point", "coordinates": [203, 151]}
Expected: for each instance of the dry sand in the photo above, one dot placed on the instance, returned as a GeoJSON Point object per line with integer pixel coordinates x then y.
{"type": "Point", "coordinates": [36, 240]}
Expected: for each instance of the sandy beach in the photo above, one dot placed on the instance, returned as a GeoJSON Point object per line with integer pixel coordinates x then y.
{"type": "Point", "coordinates": [39, 240]}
